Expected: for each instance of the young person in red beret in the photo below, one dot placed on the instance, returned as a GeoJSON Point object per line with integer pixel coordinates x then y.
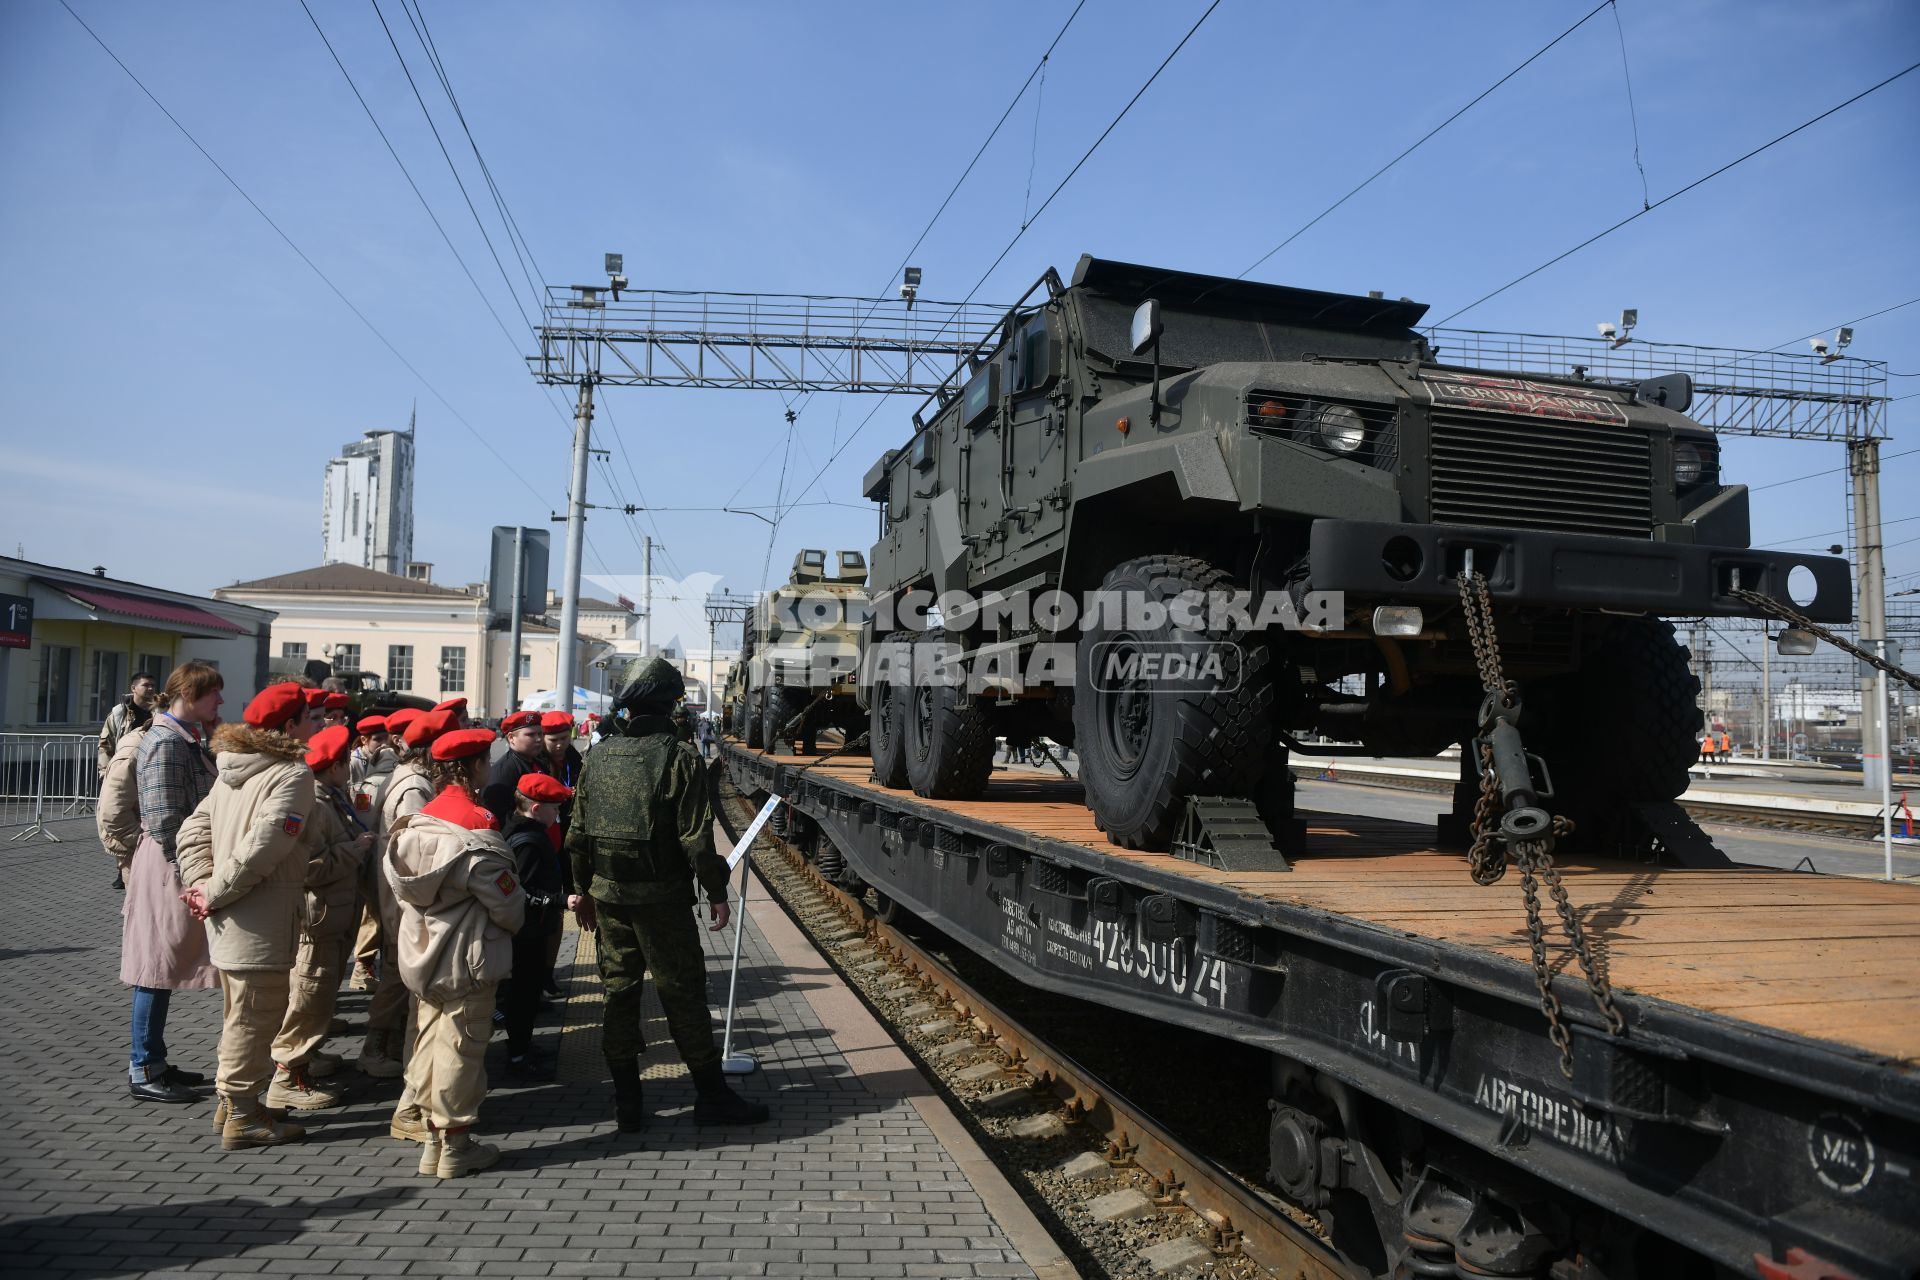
{"type": "Point", "coordinates": [526, 753]}
{"type": "Point", "coordinates": [457, 709]}
{"type": "Point", "coordinates": [529, 833]}
{"type": "Point", "coordinates": [334, 868]}
{"type": "Point", "coordinates": [243, 855]}
{"type": "Point", "coordinates": [407, 791]}
{"type": "Point", "coordinates": [563, 762]}
{"type": "Point", "coordinates": [460, 905]}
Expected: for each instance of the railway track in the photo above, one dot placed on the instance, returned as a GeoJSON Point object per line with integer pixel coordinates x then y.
{"type": "Point", "coordinates": [1070, 1137]}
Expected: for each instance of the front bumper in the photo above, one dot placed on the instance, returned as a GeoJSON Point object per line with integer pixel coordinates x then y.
{"type": "Point", "coordinates": [1415, 563]}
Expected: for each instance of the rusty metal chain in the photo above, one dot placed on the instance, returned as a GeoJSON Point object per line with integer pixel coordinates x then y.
{"type": "Point", "coordinates": [1488, 856]}
{"type": "Point", "coordinates": [1795, 618]}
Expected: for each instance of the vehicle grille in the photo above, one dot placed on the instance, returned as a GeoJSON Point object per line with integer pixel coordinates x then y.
{"type": "Point", "coordinates": [1540, 473]}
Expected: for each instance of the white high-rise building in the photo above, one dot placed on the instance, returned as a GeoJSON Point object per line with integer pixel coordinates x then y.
{"type": "Point", "coordinates": [366, 513]}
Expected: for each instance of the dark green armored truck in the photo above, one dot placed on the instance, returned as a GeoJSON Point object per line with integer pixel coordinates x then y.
{"type": "Point", "coordinates": [1282, 489]}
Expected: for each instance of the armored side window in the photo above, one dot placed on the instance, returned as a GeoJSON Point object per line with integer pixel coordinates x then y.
{"type": "Point", "coordinates": [1034, 356]}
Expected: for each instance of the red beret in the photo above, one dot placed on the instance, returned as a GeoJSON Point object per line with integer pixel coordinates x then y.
{"type": "Point", "coordinates": [427, 726]}
{"type": "Point", "coordinates": [274, 705]}
{"type": "Point", "coordinates": [462, 743]}
{"type": "Point", "coordinates": [520, 720]}
{"type": "Point", "coordinates": [546, 790]}
{"type": "Point", "coordinates": [335, 701]}
{"type": "Point", "coordinates": [397, 722]}
{"type": "Point", "coordinates": [327, 748]}
{"type": "Point", "coordinates": [554, 721]}
{"type": "Point", "coordinates": [451, 704]}
{"type": "Point", "coordinates": [372, 724]}
{"type": "Point", "coordinates": [315, 697]}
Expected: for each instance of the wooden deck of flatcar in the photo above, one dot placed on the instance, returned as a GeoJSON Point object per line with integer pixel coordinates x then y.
{"type": "Point", "coordinates": [1827, 958]}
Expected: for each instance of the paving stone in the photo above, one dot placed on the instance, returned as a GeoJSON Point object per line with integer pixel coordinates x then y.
{"type": "Point", "coordinates": [1171, 1255]}
{"type": "Point", "coordinates": [1115, 1206]}
{"type": "Point", "coordinates": [843, 1181]}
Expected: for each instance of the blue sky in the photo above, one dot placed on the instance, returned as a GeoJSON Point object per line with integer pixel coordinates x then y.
{"type": "Point", "coordinates": [173, 378]}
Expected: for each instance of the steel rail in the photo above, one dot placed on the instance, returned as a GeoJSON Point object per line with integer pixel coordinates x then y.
{"type": "Point", "coordinates": [1239, 1219]}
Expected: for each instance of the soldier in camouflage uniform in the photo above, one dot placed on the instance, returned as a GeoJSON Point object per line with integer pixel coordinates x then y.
{"type": "Point", "coordinates": [642, 835]}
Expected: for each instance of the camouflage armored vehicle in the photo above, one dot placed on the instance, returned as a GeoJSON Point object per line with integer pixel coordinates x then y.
{"type": "Point", "coordinates": [1158, 436]}
{"type": "Point", "coordinates": [365, 694]}
{"type": "Point", "coordinates": [800, 652]}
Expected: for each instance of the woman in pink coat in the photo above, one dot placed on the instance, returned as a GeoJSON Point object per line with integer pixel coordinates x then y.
{"type": "Point", "coordinates": [163, 949]}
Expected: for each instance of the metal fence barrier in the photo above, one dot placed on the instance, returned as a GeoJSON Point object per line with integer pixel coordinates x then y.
{"type": "Point", "coordinates": [47, 778]}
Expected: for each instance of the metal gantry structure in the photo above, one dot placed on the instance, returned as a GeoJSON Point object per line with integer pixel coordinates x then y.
{"type": "Point", "coordinates": [611, 335]}
{"type": "Point", "coordinates": [755, 341]}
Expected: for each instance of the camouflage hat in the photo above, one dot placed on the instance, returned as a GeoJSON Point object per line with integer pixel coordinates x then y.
{"type": "Point", "coordinates": [649, 682]}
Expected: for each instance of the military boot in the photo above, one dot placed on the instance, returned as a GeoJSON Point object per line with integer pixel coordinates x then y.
{"type": "Point", "coordinates": [293, 1089]}
{"type": "Point", "coordinates": [221, 1110]}
{"type": "Point", "coordinates": [460, 1154]}
{"type": "Point", "coordinates": [408, 1125]}
{"type": "Point", "coordinates": [380, 1055]}
{"type": "Point", "coordinates": [250, 1125]}
{"type": "Point", "coordinates": [431, 1145]}
{"type": "Point", "coordinates": [629, 1105]}
{"type": "Point", "coordinates": [321, 1064]}
{"type": "Point", "coordinates": [719, 1104]}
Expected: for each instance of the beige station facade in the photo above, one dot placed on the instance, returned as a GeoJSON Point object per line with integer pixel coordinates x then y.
{"type": "Point", "coordinates": [422, 638]}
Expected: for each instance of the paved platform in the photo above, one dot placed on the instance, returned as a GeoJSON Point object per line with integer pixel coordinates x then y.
{"type": "Point", "coordinates": [863, 1172]}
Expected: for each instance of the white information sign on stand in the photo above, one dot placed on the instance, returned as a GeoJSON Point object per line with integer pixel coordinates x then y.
{"type": "Point", "coordinates": [738, 1064]}
{"type": "Point", "coordinates": [745, 842]}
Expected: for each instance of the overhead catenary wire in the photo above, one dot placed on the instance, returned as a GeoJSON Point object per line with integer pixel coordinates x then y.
{"type": "Point", "coordinates": [1675, 195]}
{"type": "Point", "coordinates": [1830, 471]}
{"type": "Point", "coordinates": [448, 156]}
{"type": "Point", "coordinates": [1058, 188]}
{"type": "Point", "coordinates": [1633, 112]}
{"type": "Point", "coordinates": [1425, 138]}
{"type": "Point", "coordinates": [408, 175]}
{"type": "Point", "coordinates": [302, 254]}
{"type": "Point", "coordinates": [981, 150]}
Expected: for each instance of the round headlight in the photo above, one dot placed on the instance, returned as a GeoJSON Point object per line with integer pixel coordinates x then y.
{"type": "Point", "coordinates": [1340, 428]}
{"type": "Point", "coordinates": [1687, 464]}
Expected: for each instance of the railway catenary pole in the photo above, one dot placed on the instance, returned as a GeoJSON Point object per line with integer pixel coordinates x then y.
{"type": "Point", "coordinates": [646, 600]}
{"type": "Point", "coordinates": [1863, 469]}
{"type": "Point", "coordinates": [1766, 691]}
{"type": "Point", "coordinates": [576, 540]}
{"type": "Point", "coordinates": [513, 637]}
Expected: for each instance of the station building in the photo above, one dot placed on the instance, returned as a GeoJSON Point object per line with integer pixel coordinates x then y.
{"type": "Point", "coordinates": [71, 641]}
{"type": "Point", "coordinates": [419, 637]}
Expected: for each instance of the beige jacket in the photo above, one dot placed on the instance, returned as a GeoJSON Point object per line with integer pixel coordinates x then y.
{"type": "Point", "coordinates": [460, 905]}
{"type": "Point", "coordinates": [247, 847]}
{"type": "Point", "coordinates": [334, 869]}
{"type": "Point", "coordinates": [117, 816]}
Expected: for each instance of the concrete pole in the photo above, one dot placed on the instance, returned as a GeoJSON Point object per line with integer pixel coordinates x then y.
{"type": "Point", "coordinates": [576, 543]}
{"type": "Point", "coordinates": [1870, 569]}
{"type": "Point", "coordinates": [646, 603]}
{"type": "Point", "coordinates": [712, 685]}
{"type": "Point", "coordinates": [1766, 692]}
{"type": "Point", "coordinates": [513, 634]}
{"type": "Point", "coordinates": [1886, 774]}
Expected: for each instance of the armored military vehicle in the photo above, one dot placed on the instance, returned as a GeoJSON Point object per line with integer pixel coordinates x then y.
{"type": "Point", "coordinates": [799, 654]}
{"type": "Point", "coordinates": [365, 694]}
{"type": "Point", "coordinates": [1157, 436]}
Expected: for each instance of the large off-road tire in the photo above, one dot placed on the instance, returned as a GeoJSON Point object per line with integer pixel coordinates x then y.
{"type": "Point", "coordinates": [886, 737]}
{"type": "Point", "coordinates": [948, 738]}
{"type": "Point", "coordinates": [750, 720]}
{"type": "Point", "coordinates": [1624, 729]}
{"type": "Point", "coordinates": [1145, 748]}
{"type": "Point", "coordinates": [783, 704]}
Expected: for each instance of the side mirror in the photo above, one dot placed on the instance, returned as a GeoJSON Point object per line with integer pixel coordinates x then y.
{"type": "Point", "coordinates": [1670, 391]}
{"type": "Point", "coordinates": [1146, 326]}
{"type": "Point", "coordinates": [1797, 642]}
